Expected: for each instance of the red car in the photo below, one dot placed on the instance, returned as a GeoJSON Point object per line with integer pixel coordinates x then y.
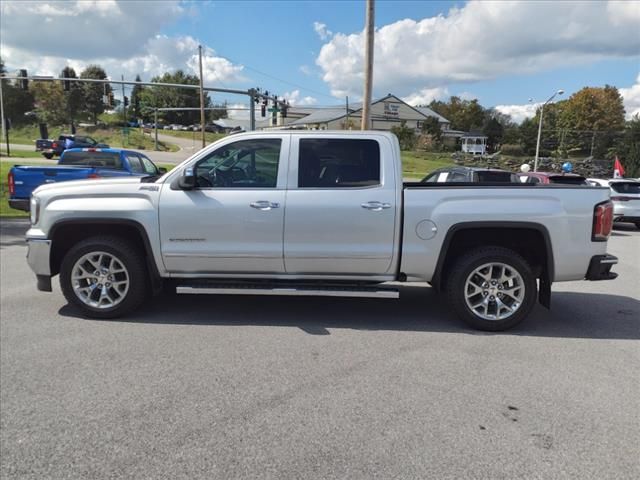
{"type": "Point", "coordinates": [552, 177]}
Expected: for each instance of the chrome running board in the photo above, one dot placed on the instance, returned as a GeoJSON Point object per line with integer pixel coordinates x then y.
{"type": "Point", "coordinates": [309, 291]}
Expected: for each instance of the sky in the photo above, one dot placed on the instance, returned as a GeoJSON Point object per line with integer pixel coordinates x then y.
{"type": "Point", "coordinates": [311, 52]}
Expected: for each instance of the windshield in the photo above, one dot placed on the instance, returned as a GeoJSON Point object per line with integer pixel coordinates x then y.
{"type": "Point", "coordinates": [631, 188]}
{"type": "Point", "coordinates": [565, 180]}
{"type": "Point", "coordinates": [489, 176]}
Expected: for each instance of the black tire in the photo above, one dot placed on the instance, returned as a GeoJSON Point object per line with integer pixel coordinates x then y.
{"type": "Point", "coordinates": [129, 256]}
{"type": "Point", "coordinates": [467, 264]}
{"type": "Point", "coordinates": [48, 156]}
{"type": "Point", "coordinates": [638, 225]}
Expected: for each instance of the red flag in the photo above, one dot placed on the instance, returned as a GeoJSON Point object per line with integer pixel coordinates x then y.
{"type": "Point", "coordinates": [618, 169]}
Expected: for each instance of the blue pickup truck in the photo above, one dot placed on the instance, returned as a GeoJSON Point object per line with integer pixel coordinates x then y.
{"type": "Point", "coordinates": [77, 164]}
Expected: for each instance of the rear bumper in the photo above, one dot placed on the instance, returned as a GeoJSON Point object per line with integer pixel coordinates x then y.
{"type": "Point", "coordinates": [38, 254]}
{"type": "Point", "coordinates": [600, 267]}
{"type": "Point", "coordinates": [626, 218]}
{"type": "Point", "coordinates": [19, 204]}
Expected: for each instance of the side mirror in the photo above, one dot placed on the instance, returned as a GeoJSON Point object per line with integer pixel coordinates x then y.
{"type": "Point", "coordinates": [162, 170]}
{"type": "Point", "coordinates": [188, 179]}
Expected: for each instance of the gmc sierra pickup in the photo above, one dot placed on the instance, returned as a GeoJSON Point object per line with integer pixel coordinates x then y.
{"type": "Point", "coordinates": [315, 213]}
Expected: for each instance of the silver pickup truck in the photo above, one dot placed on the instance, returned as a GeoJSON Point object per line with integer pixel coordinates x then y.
{"type": "Point", "coordinates": [315, 213]}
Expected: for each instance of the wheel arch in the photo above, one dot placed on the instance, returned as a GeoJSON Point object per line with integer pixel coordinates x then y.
{"type": "Point", "coordinates": [66, 233]}
{"type": "Point", "coordinates": [529, 239]}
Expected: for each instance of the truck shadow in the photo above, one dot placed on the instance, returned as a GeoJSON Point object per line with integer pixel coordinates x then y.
{"type": "Point", "coordinates": [419, 309]}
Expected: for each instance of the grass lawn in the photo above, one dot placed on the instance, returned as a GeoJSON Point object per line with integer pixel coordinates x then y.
{"type": "Point", "coordinates": [113, 137]}
{"type": "Point", "coordinates": [209, 137]}
{"type": "Point", "coordinates": [418, 164]}
{"type": "Point", "coordinates": [17, 154]}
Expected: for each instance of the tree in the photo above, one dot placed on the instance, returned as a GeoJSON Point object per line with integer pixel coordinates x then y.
{"type": "Point", "coordinates": [464, 115]}
{"type": "Point", "coordinates": [16, 102]}
{"type": "Point", "coordinates": [170, 97]}
{"type": "Point", "coordinates": [494, 131]}
{"type": "Point", "coordinates": [94, 92]}
{"type": "Point", "coordinates": [74, 96]}
{"type": "Point", "coordinates": [431, 126]}
{"type": "Point", "coordinates": [136, 111]}
{"type": "Point", "coordinates": [406, 136]}
{"type": "Point", "coordinates": [593, 116]}
{"type": "Point", "coordinates": [51, 104]}
{"type": "Point", "coordinates": [627, 148]}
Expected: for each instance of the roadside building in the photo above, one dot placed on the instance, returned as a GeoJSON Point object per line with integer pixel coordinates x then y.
{"type": "Point", "coordinates": [386, 113]}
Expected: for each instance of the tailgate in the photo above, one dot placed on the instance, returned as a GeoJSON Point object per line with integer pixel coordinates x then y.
{"type": "Point", "coordinates": [28, 178]}
{"type": "Point", "coordinates": [43, 144]}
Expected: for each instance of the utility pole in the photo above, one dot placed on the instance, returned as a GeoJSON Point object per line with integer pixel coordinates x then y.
{"type": "Point", "coordinates": [5, 132]}
{"type": "Point", "coordinates": [368, 71]}
{"type": "Point", "coordinates": [124, 106]}
{"type": "Point", "coordinates": [346, 122]}
{"type": "Point", "coordinates": [201, 97]}
{"type": "Point", "coordinates": [155, 125]}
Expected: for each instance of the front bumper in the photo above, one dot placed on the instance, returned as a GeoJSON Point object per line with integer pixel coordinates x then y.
{"type": "Point", "coordinates": [600, 267]}
{"type": "Point", "coordinates": [19, 204]}
{"type": "Point", "coordinates": [38, 255]}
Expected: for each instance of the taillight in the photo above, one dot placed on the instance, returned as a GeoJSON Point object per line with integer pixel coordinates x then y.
{"type": "Point", "coordinates": [12, 184]}
{"type": "Point", "coordinates": [93, 175]}
{"type": "Point", "coordinates": [620, 199]}
{"type": "Point", "coordinates": [54, 145]}
{"type": "Point", "coordinates": [602, 221]}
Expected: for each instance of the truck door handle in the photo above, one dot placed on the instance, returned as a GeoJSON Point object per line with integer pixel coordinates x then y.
{"type": "Point", "coordinates": [376, 206]}
{"type": "Point", "coordinates": [264, 205]}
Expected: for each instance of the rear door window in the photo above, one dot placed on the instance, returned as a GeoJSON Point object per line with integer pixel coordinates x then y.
{"type": "Point", "coordinates": [338, 163]}
{"type": "Point", "coordinates": [92, 159]}
{"type": "Point", "coordinates": [135, 163]}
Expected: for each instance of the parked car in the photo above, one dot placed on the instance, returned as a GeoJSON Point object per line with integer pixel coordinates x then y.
{"type": "Point", "coordinates": [625, 195]}
{"type": "Point", "coordinates": [315, 213]}
{"type": "Point", "coordinates": [552, 178]}
{"type": "Point", "coordinates": [470, 174]}
{"type": "Point", "coordinates": [50, 148]}
{"type": "Point", "coordinates": [77, 164]}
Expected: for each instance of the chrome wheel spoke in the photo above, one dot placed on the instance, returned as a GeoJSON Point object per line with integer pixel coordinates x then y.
{"type": "Point", "coordinates": [100, 280]}
{"type": "Point", "coordinates": [494, 291]}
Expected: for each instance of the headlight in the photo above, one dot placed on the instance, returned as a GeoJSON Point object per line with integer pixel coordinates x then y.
{"type": "Point", "coordinates": [34, 209]}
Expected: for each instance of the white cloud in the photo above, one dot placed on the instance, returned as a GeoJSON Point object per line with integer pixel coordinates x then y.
{"type": "Point", "coordinates": [294, 98]}
{"type": "Point", "coordinates": [426, 96]}
{"type": "Point", "coordinates": [306, 69]}
{"type": "Point", "coordinates": [519, 112]}
{"type": "Point", "coordinates": [481, 41]}
{"type": "Point", "coordinates": [84, 29]}
{"type": "Point", "coordinates": [631, 98]}
{"type": "Point", "coordinates": [321, 29]}
{"type": "Point", "coordinates": [118, 35]}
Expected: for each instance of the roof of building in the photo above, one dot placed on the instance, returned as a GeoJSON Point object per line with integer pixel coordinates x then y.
{"type": "Point", "coordinates": [430, 113]}
{"type": "Point", "coordinates": [321, 116]}
{"type": "Point", "coordinates": [325, 115]}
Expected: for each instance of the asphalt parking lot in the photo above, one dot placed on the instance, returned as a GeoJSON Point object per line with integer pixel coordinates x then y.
{"type": "Point", "coordinates": [259, 387]}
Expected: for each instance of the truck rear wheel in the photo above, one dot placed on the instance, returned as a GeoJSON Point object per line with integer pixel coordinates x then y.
{"type": "Point", "coordinates": [48, 156]}
{"type": "Point", "coordinates": [104, 277]}
{"type": "Point", "coordinates": [492, 288]}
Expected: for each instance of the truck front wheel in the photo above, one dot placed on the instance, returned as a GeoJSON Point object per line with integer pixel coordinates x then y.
{"type": "Point", "coordinates": [104, 277]}
{"type": "Point", "coordinates": [48, 156]}
{"type": "Point", "coordinates": [492, 288]}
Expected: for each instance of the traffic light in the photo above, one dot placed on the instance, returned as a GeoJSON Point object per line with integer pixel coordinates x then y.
{"type": "Point", "coordinates": [109, 100]}
{"type": "Point", "coordinates": [283, 109]}
{"type": "Point", "coordinates": [263, 110]}
{"type": "Point", "coordinates": [24, 83]}
{"type": "Point", "coordinates": [126, 101]}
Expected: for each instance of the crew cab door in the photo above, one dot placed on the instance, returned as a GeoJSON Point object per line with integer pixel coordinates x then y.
{"type": "Point", "coordinates": [233, 220]}
{"type": "Point", "coordinates": [342, 206]}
